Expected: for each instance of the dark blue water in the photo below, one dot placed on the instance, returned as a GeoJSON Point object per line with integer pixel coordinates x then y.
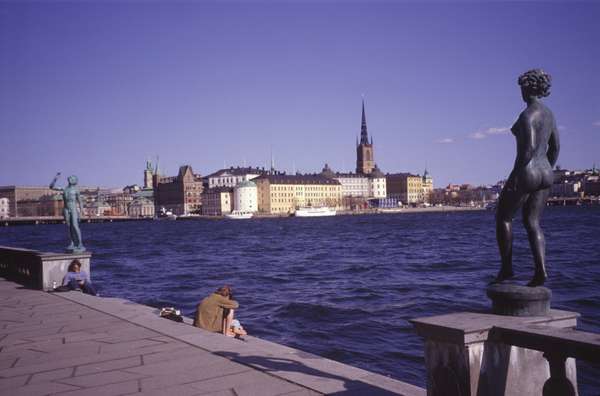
{"type": "Point", "coordinates": [341, 287]}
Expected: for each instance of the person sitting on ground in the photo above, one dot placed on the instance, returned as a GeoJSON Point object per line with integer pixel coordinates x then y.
{"type": "Point", "coordinates": [215, 313]}
{"type": "Point", "coordinates": [76, 279]}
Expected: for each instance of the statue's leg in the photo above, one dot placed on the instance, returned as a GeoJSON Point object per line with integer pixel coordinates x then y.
{"type": "Point", "coordinates": [508, 204]}
{"type": "Point", "coordinates": [76, 232]}
{"type": "Point", "coordinates": [532, 212]}
{"type": "Point", "coordinates": [68, 221]}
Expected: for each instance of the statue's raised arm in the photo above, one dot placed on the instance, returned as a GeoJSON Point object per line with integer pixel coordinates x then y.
{"type": "Point", "coordinates": [53, 183]}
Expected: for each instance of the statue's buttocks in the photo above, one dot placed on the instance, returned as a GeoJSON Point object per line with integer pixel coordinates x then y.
{"type": "Point", "coordinates": [536, 174]}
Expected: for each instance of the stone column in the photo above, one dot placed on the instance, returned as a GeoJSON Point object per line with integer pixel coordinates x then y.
{"type": "Point", "coordinates": [463, 359]}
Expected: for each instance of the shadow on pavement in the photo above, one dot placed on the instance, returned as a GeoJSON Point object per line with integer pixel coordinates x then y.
{"type": "Point", "coordinates": [279, 366]}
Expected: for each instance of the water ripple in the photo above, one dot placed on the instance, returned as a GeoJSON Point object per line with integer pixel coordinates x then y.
{"type": "Point", "coordinates": [342, 287]}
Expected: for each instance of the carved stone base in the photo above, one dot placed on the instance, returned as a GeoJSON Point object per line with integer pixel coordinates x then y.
{"type": "Point", "coordinates": [461, 359]}
{"type": "Point", "coordinates": [516, 300]}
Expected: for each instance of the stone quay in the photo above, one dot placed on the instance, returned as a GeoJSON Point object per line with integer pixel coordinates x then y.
{"type": "Point", "coordinates": [75, 344]}
{"type": "Point", "coordinates": [71, 343]}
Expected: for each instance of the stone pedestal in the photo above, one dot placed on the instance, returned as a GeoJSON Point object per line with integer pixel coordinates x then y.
{"type": "Point", "coordinates": [462, 358]}
{"type": "Point", "coordinates": [516, 300]}
{"type": "Point", "coordinates": [55, 266]}
{"type": "Point", "coordinates": [36, 269]}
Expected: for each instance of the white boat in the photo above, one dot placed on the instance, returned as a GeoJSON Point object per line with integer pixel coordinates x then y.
{"type": "Point", "coordinates": [311, 211]}
{"type": "Point", "coordinates": [166, 215]}
{"type": "Point", "coordinates": [239, 215]}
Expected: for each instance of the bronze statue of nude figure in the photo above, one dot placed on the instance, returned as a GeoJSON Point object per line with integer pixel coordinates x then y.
{"type": "Point", "coordinates": [529, 182]}
{"type": "Point", "coordinates": [72, 211]}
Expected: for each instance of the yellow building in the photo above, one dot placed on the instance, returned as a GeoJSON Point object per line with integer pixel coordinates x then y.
{"type": "Point", "coordinates": [406, 187]}
{"type": "Point", "coordinates": [283, 194]}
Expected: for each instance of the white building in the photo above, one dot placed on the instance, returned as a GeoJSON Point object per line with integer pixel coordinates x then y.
{"type": "Point", "coordinates": [427, 182]}
{"type": "Point", "coordinates": [231, 177]}
{"type": "Point", "coordinates": [357, 185]}
{"type": "Point", "coordinates": [98, 208]}
{"type": "Point", "coordinates": [377, 186]}
{"type": "Point", "coordinates": [4, 208]}
{"type": "Point", "coordinates": [245, 197]}
{"type": "Point", "coordinates": [141, 207]}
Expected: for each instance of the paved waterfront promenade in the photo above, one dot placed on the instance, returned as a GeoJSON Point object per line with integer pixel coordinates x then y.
{"type": "Point", "coordinates": [75, 344]}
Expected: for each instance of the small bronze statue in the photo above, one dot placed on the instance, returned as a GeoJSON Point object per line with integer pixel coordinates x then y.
{"type": "Point", "coordinates": [72, 211]}
{"type": "Point", "coordinates": [531, 178]}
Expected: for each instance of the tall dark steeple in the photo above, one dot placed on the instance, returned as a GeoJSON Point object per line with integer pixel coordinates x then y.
{"type": "Point", "coordinates": [364, 135]}
{"type": "Point", "coordinates": [365, 161]}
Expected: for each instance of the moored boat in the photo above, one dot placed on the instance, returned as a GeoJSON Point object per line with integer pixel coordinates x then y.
{"type": "Point", "coordinates": [239, 215]}
{"type": "Point", "coordinates": [314, 212]}
{"type": "Point", "coordinates": [166, 215]}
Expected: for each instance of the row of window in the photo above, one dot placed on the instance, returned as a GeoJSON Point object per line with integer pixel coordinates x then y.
{"type": "Point", "coordinates": [221, 181]}
{"type": "Point", "coordinates": [306, 188]}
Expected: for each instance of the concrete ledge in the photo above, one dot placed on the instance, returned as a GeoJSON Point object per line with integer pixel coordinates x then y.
{"type": "Point", "coordinates": [470, 327]}
{"type": "Point", "coordinates": [305, 369]}
{"type": "Point", "coordinates": [38, 270]}
{"type": "Point", "coordinates": [567, 342]}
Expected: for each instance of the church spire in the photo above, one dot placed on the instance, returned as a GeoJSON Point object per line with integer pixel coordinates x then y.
{"type": "Point", "coordinates": [364, 151]}
{"type": "Point", "coordinates": [364, 136]}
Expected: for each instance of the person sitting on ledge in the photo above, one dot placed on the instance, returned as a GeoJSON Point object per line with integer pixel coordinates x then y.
{"type": "Point", "coordinates": [215, 313]}
{"type": "Point", "coordinates": [76, 279]}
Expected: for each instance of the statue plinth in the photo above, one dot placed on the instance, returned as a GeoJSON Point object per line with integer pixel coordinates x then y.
{"type": "Point", "coordinates": [515, 300]}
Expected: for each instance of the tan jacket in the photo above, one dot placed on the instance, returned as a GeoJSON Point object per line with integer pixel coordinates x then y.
{"type": "Point", "coordinates": [209, 313]}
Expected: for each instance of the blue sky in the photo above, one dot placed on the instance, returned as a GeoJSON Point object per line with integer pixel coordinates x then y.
{"type": "Point", "coordinates": [96, 88]}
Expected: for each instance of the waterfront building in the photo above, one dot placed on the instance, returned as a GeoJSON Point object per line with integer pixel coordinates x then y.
{"type": "Point", "coordinates": [406, 187]}
{"type": "Point", "coordinates": [427, 185]}
{"type": "Point", "coordinates": [23, 199]}
{"type": "Point", "coordinates": [357, 185]}
{"type": "Point", "coordinates": [89, 195]}
{"type": "Point", "coordinates": [245, 197]}
{"type": "Point", "coordinates": [94, 201]}
{"type": "Point", "coordinates": [377, 184]}
{"type": "Point", "coordinates": [4, 208]}
{"type": "Point", "coordinates": [353, 184]}
{"type": "Point", "coordinates": [179, 194]}
{"type": "Point", "coordinates": [45, 206]}
{"type": "Point", "coordinates": [465, 195]}
{"type": "Point", "coordinates": [566, 187]}
{"type": "Point", "coordinates": [385, 203]}
{"type": "Point", "coordinates": [283, 194]}
{"type": "Point", "coordinates": [591, 185]}
{"type": "Point", "coordinates": [365, 160]}
{"type": "Point", "coordinates": [217, 201]}
{"type": "Point", "coordinates": [51, 205]}
{"type": "Point", "coordinates": [141, 207]}
{"type": "Point", "coordinates": [573, 183]}
{"type": "Point", "coordinates": [98, 207]}
{"type": "Point", "coordinates": [232, 176]}
{"type": "Point", "coordinates": [119, 201]}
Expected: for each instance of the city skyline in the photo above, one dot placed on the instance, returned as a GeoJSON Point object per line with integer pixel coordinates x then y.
{"type": "Point", "coordinates": [96, 89]}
